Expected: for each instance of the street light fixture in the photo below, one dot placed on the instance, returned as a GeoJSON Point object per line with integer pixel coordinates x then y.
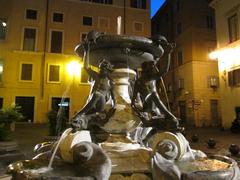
{"type": "Point", "coordinates": [74, 68]}
{"type": "Point", "coordinates": [4, 24]}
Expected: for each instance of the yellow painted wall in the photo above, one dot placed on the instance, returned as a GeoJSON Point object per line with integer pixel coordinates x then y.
{"type": "Point", "coordinates": [12, 55]}
{"type": "Point", "coordinates": [228, 61]}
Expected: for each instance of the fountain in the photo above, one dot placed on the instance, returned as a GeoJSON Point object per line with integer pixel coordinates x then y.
{"type": "Point", "coordinates": [141, 143]}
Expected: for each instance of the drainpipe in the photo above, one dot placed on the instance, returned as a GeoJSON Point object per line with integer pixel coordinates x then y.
{"type": "Point", "coordinates": [124, 17]}
{"type": "Point", "coordinates": [44, 51]}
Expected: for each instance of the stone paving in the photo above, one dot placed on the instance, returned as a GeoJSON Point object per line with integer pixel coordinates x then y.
{"type": "Point", "coordinates": [28, 135]}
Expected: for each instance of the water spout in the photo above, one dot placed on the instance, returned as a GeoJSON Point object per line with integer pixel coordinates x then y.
{"type": "Point", "coordinates": [60, 113]}
{"type": "Point", "coordinates": [65, 133]}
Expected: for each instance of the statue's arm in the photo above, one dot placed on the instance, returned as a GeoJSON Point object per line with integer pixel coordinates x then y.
{"type": "Point", "coordinates": [112, 94]}
{"type": "Point", "coordinates": [87, 67]}
{"type": "Point", "coordinates": [166, 69]}
{"type": "Point", "coordinates": [160, 73]}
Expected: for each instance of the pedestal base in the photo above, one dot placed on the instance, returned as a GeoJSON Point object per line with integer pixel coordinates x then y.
{"type": "Point", "coordinates": [127, 156]}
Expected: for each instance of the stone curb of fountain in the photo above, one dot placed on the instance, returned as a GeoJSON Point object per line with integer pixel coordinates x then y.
{"type": "Point", "coordinates": [9, 152]}
{"type": "Point", "coordinates": [5, 177]}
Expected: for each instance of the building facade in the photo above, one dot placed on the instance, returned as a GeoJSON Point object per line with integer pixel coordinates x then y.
{"type": "Point", "coordinates": [38, 65]}
{"type": "Point", "coordinates": [192, 82]}
{"type": "Point", "coordinates": [228, 55]}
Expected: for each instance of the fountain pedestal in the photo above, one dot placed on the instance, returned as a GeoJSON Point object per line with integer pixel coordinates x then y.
{"type": "Point", "coordinates": [124, 118]}
{"type": "Point", "coordinates": [127, 156]}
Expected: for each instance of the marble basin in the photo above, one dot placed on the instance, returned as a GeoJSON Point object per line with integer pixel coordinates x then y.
{"type": "Point", "coordinates": [121, 50]}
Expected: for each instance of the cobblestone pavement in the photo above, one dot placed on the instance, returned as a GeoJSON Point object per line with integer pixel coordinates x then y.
{"type": "Point", "coordinates": [223, 138]}
{"type": "Point", "coordinates": [28, 135]}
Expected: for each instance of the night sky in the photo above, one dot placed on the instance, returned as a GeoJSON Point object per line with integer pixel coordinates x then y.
{"type": "Point", "coordinates": [155, 5]}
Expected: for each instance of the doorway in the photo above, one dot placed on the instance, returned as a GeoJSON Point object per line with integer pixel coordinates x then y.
{"type": "Point", "coordinates": [214, 112]}
{"type": "Point", "coordinates": [183, 111]}
{"type": "Point", "coordinates": [27, 107]}
{"type": "Point", "coordinates": [63, 103]}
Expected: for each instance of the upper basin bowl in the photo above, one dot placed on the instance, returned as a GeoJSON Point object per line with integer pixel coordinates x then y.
{"type": "Point", "coordinates": [121, 50]}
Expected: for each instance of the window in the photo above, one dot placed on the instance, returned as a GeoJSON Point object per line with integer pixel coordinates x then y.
{"type": "Point", "coordinates": [180, 83]}
{"type": "Point", "coordinates": [84, 76]}
{"type": "Point", "coordinates": [169, 87]}
{"type": "Point", "coordinates": [31, 14]}
{"type": "Point", "coordinates": [209, 22]}
{"type": "Point", "coordinates": [29, 39]}
{"type": "Point", "coordinates": [1, 71]}
{"type": "Point", "coordinates": [166, 17]}
{"type": "Point", "coordinates": [26, 72]}
{"type": "Point", "coordinates": [3, 28]}
{"type": "Point", "coordinates": [233, 28]}
{"type": "Point", "coordinates": [57, 17]}
{"type": "Point", "coordinates": [179, 28]}
{"type": "Point", "coordinates": [172, 63]}
{"type": "Point", "coordinates": [56, 41]}
{"type": "Point", "coordinates": [54, 73]}
{"type": "Point", "coordinates": [234, 77]}
{"type": "Point", "coordinates": [83, 36]}
{"type": "Point", "coordinates": [103, 22]}
{"type": "Point", "coordinates": [178, 5]}
{"type": "Point", "coordinates": [180, 58]}
{"type": "Point", "coordinates": [100, 1]}
{"type": "Point", "coordinates": [138, 27]}
{"type": "Point", "coordinates": [158, 27]}
{"type": "Point", "coordinates": [213, 81]}
{"type": "Point", "coordinates": [87, 21]}
{"type": "Point", "coordinates": [1, 102]}
{"type": "Point", "coordinates": [140, 4]}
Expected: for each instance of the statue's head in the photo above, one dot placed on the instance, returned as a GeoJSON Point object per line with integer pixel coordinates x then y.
{"type": "Point", "coordinates": [160, 40]}
{"type": "Point", "coordinates": [105, 66]}
{"type": "Point", "coordinates": [148, 67]}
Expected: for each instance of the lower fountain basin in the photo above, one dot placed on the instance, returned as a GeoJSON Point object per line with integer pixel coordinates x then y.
{"type": "Point", "coordinates": [35, 169]}
{"type": "Point", "coordinates": [214, 167]}
{"type": "Point", "coordinates": [210, 168]}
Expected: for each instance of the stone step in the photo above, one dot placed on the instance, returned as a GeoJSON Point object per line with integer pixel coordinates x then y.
{"type": "Point", "coordinates": [11, 157]}
{"type": "Point", "coordinates": [8, 146]}
{"type": "Point", "coordinates": [5, 177]}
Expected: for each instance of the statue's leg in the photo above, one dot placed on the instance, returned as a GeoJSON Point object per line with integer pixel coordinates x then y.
{"type": "Point", "coordinates": [100, 104]}
{"type": "Point", "coordinates": [161, 106]}
{"type": "Point", "coordinates": [90, 105]}
{"type": "Point", "coordinates": [149, 135]}
{"type": "Point", "coordinates": [173, 120]}
{"type": "Point", "coordinates": [148, 104]}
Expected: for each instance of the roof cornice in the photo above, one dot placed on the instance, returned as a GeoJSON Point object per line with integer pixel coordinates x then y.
{"type": "Point", "coordinates": [214, 3]}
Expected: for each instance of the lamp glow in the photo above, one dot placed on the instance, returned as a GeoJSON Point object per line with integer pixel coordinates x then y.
{"type": "Point", "coordinates": [227, 57]}
{"type": "Point", "coordinates": [74, 68]}
{"type": "Point", "coordinates": [213, 55]}
{"type": "Point", "coordinates": [4, 24]}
